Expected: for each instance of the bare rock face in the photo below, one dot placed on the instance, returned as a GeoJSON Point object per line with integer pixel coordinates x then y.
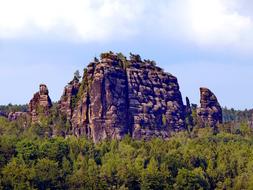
{"type": "Point", "coordinates": [155, 102]}
{"type": "Point", "coordinates": [108, 101]}
{"type": "Point", "coordinates": [66, 102]}
{"type": "Point", "coordinates": [210, 111]}
{"type": "Point", "coordinates": [40, 102]}
{"type": "Point", "coordinates": [102, 109]}
{"type": "Point", "coordinates": [119, 96]}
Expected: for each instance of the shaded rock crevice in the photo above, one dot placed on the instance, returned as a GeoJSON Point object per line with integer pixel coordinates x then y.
{"type": "Point", "coordinates": [129, 128]}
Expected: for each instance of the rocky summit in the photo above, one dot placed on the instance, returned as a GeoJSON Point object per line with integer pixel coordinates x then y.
{"type": "Point", "coordinates": [120, 96]}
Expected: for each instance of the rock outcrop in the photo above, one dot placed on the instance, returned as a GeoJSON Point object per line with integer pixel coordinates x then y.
{"type": "Point", "coordinates": [119, 96]}
{"type": "Point", "coordinates": [66, 103]}
{"type": "Point", "coordinates": [210, 112]}
{"type": "Point", "coordinates": [40, 103]}
{"type": "Point", "coordinates": [155, 102]}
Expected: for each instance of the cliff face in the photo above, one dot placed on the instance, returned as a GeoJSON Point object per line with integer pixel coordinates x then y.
{"type": "Point", "coordinates": [107, 99]}
{"type": "Point", "coordinates": [119, 96]}
{"type": "Point", "coordinates": [210, 111]}
{"type": "Point", "coordinates": [155, 102]}
{"type": "Point", "coordinates": [40, 103]}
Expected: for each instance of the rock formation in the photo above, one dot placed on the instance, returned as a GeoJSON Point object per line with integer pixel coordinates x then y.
{"type": "Point", "coordinates": [66, 103]}
{"type": "Point", "coordinates": [155, 102]}
{"type": "Point", "coordinates": [40, 103]}
{"type": "Point", "coordinates": [210, 111]}
{"type": "Point", "coordinates": [119, 96]}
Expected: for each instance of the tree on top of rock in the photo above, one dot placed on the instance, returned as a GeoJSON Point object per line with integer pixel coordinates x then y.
{"type": "Point", "coordinates": [77, 75]}
{"type": "Point", "coordinates": [135, 57]}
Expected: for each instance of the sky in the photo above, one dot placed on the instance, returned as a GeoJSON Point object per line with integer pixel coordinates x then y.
{"type": "Point", "coordinates": [204, 43]}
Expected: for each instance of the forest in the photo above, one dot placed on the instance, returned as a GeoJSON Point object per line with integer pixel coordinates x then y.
{"type": "Point", "coordinates": [200, 158]}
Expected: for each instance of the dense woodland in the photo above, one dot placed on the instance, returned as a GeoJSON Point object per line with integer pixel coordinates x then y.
{"type": "Point", "coordinates": [201, 158]}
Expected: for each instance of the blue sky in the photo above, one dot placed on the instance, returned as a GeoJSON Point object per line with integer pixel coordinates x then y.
{"type": "Point", "coordinates": [202, 42]}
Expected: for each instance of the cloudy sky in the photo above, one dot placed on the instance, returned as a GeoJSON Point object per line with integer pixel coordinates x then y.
{"type": "Point", "coordinates": [203, 42]}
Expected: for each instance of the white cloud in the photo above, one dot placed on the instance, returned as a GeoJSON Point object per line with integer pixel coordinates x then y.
{"type": "Point", "coordinates": [213, 21]}
{"type": "Point", "coordinates": [81, 19]}
{"type": "Point", "coordinates": [203, 22]}
{"type": "Point", "coordinates": [208, 22]}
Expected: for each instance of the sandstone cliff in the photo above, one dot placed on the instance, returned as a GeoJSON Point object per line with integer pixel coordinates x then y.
{"type": "Point", "coordinates": [118, 96]}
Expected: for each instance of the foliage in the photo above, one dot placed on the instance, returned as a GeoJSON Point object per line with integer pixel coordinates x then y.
{"type": "Point", "coordinates": [232, 115]}
{"type": "Point", "coordinates": [197, 159]}
{"type": "Point", "coordinates": [123, 61]}
{"type": "Point", "coordinates": [77, 75]}
{"type": "Point", "coordinates": [13, 108]}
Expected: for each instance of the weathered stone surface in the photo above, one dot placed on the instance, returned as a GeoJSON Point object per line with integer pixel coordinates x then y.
{"type": "Point", "coordinates": [155, 102]}
{"type": "Point", "coordinates": [40, 102]}
{"type": "Point", "coordinates": [80, 117]}
{"type": "Point", "coordinates": [66, 102]}
{"type": "Point", "coordinates": [119, 96]}
{"type": "Point", "coordinates": [102, 110]}
{"type": "Point", "coordinates": [108, 101]}
{"type": "Point", "coordinates": [210, 111]}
